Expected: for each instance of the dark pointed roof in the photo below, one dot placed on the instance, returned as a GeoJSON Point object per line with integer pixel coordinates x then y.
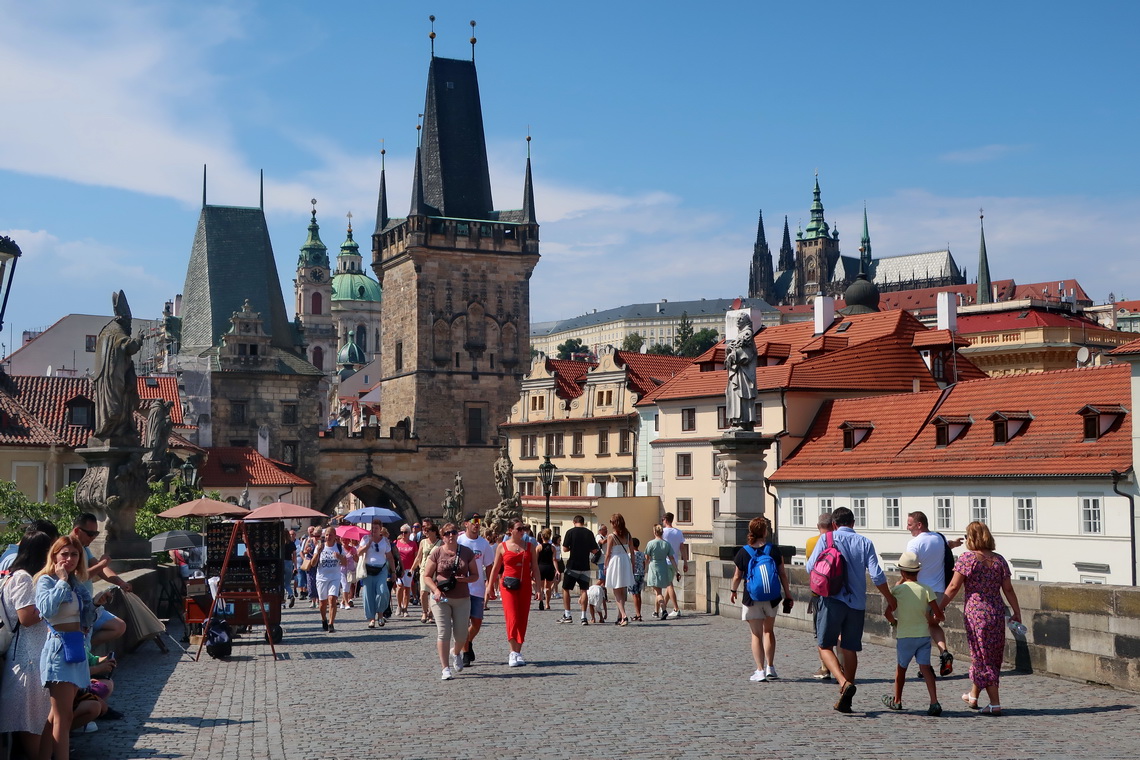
{"type": "Point", "coordinates": [314, 253]}
{"type": "Point", "coordinates": [985, 289]}
{"type": "Point", "coordinates": [787, 253]}
{"type": "Point", "coordinates": [231, 261]}
{"type": "Point", "coordinates": [528, 197]}
{"type": "Point", "coordinates": [382, 204]}
{"type": "Point", "coordinates": [418, 208]}
{"type": "Point", "coordinates": [455, 178]}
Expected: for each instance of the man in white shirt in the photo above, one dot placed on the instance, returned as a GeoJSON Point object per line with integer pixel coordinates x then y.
{"type": "Point", "coordinates": [484, 558]}
{"type": "Point", "coordinates": [930, 548]}
{"type": "Point", "coordinates": [676, 539]}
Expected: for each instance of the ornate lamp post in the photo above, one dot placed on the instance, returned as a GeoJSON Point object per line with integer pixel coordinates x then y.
{"type": "Point", "coordinates": [546, 474]}
{"type": "Point", "coordinates": [9, 254]}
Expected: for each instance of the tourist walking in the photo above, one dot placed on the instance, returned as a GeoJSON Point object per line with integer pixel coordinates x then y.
{"type": "Point", "coordinates": [578, 543]}
{"type": "Point", "coordinates": [619, 564]}
{"type": "Point", "coordinates": [638, 578]}
{"type": "Point", "coordinates": [985, 576]}
{"type": "Point", "coordinates": [26, 703]}
{"type": "Point", "coordinates": [917, 610]}
{"type": "Point", "coordinates": [406, 548]}
{"type": "Point", "coordinates": [659, 572]}
{"type": "Point", "coordinates": [309, 549]}
{"type": "Point", "coordinates": [69, 613]}
{"type": "Point", "coordinates": [447, 573]}
{"type": "Point", "coordinates": [932, 549]}
{"type": "Point", "coordinates": [760, 614]}
{"type": "Point", "coordinates": [377, 554]}
{"type": "Point", "coordinates": [516, 571]}
{"type": "Point", "coordinates": [331, 559]}
{"type": "Point", "coordinates": [546, 568]}
{"type": "Point", "coordinates": [676, 539]}
{"type": "Point", "coordinates": [484, 556]}
{"type": "Point", "coordinates": [428, 544]}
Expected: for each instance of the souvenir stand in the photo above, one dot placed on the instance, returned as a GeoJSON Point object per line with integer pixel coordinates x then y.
{"type": "Point", "coordinates": [246, 557]}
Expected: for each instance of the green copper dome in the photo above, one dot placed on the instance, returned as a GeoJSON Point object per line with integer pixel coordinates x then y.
{"type": "Point", "coordinates": [313, 252]}
{"type": "Point", "coordinates": [348, 286]}
{"type": "Point", "coordinates": [351, 353]}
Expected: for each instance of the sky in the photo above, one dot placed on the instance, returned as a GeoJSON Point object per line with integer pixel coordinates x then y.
{"type": "Point", "coordinates": [660, 131]}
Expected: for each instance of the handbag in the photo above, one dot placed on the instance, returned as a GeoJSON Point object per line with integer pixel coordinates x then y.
{"type": "Point", "coordinates": [373, 569]}
{"type": "Point", "coordinates": [447, 584]}
{"type": "Point", "coordinates": [74, 646]}
{"type": "Point", "coordinates": [511, 583]}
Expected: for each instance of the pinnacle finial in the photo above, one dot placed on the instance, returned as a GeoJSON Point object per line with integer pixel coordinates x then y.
{"type": "Point", "coordinates": [432, 35]}
{"type": "Point", "coordinates": [528, 141]}
{"type": "Point", "coordinates": [314, 202]}
{"type": "Point", "coordinates": [383, 152]}
{"type": "Point", "coordinates": [981, 213]}
{"type": "Point", "coordinates": [349, 215]}
{"type": "Point", "coordinates": [472, 40]}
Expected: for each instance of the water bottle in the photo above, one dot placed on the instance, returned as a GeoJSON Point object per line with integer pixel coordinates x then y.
{"type": "Point", "coordinates": [1016, 628]}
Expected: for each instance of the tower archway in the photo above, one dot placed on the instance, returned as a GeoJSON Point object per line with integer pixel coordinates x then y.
{"type": "Point", "coordinates": [374, 490]}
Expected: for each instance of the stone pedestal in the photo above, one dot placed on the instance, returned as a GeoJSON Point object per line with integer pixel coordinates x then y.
{"type": "Point", "coordinates": [740, 455]}
{"type": "Point", "coordinates": [113, 488]}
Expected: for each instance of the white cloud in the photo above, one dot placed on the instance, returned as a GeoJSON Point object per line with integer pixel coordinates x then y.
{"type": "Point", "coordinates": [981, 154]}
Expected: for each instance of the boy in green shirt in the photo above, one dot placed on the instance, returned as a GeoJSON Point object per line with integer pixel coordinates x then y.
{"type": "Point", "coordinates": [917, 608]}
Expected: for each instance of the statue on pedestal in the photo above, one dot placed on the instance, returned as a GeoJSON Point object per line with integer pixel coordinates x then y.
{"type": "Point", "coordinates": [115, 386]}
{"type": "Point", "coordinates": [740, 362]}
{"type": "Point", "coordinates": [510, 503]}
{"type": "Point", "coordinates": [450, 508]}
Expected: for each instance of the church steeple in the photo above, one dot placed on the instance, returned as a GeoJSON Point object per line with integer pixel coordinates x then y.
{"type": "Point", "coordinates": [419, 208]}
{"type": "Point", "coordinates": [382, 201]}
{"type": "Point", "coordinates": [817, 227]}
{"type": "Point", "coordinates": [528, 191]}
{"type": "Point", "coordinates": [760, 273]}
{"type": "Point", "coordinates": [313, 252]}
{"type": "Point", "coordinates": [787, 253]}
{"type": "Point", "coordinates": [865, 246]}
{"type": "Point", "coordinates": [985, 288]}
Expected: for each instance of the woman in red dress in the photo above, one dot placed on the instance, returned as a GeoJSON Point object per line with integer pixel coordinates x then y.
{"type": "Point", "coordinates": [516, 564]}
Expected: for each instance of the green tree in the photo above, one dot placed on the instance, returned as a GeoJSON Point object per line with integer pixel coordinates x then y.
{"type": "Point", "coordinates": [17, 510]}
{"type": "Point", "coordinates": [633, 342]}
{"type": "Point", "coordinates": [570, 347]}
{"type": "Point", "coordinates": [662, 349]}
{"type": "Point", "coordinates": [700, 342]}
{"type": "Point", "coordinates": [684, 331]}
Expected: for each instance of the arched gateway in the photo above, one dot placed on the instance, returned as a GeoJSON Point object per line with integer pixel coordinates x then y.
{"type": "Point", "coordinates": [374, 491]}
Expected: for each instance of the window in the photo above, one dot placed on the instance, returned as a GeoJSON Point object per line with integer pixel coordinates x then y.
{"type": "Point", "coordinates": [89, 343]}
{"type": "Point", "coordinates": [848, 440]}
{"type": "Point", "coordinates": [528, 446]}
{"type": "Point", "coordinates": [1096, 580]}
{"type": "Point", "coordinates": [553, 444]}
{"type": "Point", "coordinates": [684, 465]}
{"type": "Point", "coordinates": [526, 488]}
{"type": "Point", "coordinates": [475, 417]}
{"type": "Point", "coordinates": [689, 419]}
{"type": "Point", "coordinates": [980, 509]}
{"type": "Point", "coordinates": [826, 504]}
{"type": "Point", "coordinates": [82, 414]}
{"type": "Point", "coordinates": [1026, 510]}
{"type": "Point", "coordinates": [238, 412]}
{"type": "Point", "coordinates": [1001, 432]}
{"type": "Point", "coordinates": [578, 448]}
{"type": "Point", "coordinates": [943, 512]}
{"type": "Point", "coordinates": [759, 414]}
{"type": "Point", "coordinates": [317, 304]}
{"type": "Point", "coordinates": [399, 355]}
{"type": "Point", "coordinates": [1024, 575]}
{"type": "Point", "coordinates": [605, 398]}
{"type": "Point", "coordinates": [941, 436]}
{"type": "Point", "coordinates": [721, 418]}
{"type": "Point", "coordinates": [289, 414]}
{"type": "Point", "coordinates": [1092, 427]}
{"type": "Point", "coordinates": [656, 423]}
{"type": "Point", "coordinates": [859, 507]}
{"type": "Point", "coordinates": [575, 486]}
{"type": "Point", "coordinates": [891, 516]}
{"type": "Point", "coordinates": [715, 465]}
{"type": "Point", "coordinates": [625, 442]}
{"type": "Point", "coordinates": [289, 452]}
{"type": "Point", "coordinates": [604, 442]}
{"type": "Point", "coordinates": [555, 488]}
{"type": "Point", "coordinates": [362, 337]}
{"type": "Point", "coordinates": [797, 510]}
{"type": "Point", "coordinates": [318, 357]}
{"type": "Point", "coordinates": [537, 403]}
{"type": "Point", "coordinates": [1092, 518]}
{"type": "Point", "coordinates": [684, 510]}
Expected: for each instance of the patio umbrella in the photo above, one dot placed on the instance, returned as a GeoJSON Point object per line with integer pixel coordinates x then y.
{"type": "Point", "coordinates": [204, 508]}
{"type": "Point", "coordinates": [279, 510]}
{"type": "Point", "coordinates": [351, 532]}
{"type": "Point", "coordinates": [372, 514]}
{"type": "Point", "coordinates": [176, 539]}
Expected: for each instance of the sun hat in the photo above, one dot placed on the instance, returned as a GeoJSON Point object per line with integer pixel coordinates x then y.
{"type": "Point", "coordinates": [909, 562]}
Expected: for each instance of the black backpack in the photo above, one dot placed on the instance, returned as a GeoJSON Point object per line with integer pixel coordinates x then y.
{"type": "Point", "coordinates": [219, 639]}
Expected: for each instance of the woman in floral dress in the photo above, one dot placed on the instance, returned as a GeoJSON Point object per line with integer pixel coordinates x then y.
{"type": "Point", "coordinates": [985, 575]}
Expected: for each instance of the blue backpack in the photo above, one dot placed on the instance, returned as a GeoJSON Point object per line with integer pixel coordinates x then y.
{"type": "Point", "coordinates": [762, 580]}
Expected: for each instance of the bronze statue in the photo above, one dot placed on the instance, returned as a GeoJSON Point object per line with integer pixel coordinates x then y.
{"type": "Point", "coordinates": [740, 361]}
{"type": "Point", "coordinates": [115, 387]}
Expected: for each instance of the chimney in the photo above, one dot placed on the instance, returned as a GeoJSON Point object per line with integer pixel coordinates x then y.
{"type": "Point", "coordinates": [947, 312]}
{"type": "Point", "coordinates": [824, 313]}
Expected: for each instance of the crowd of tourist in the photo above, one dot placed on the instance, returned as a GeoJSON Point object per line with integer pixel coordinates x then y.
{"type": "Point", "coordinates": [52, 683]}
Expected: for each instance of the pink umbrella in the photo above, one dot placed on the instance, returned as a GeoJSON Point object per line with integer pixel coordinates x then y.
{"type": "Point", "coordinates": [279, 510]}
{"type": "Point", "coordinates": [351, 532]}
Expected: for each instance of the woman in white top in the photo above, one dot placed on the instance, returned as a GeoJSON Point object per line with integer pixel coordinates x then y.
{"type": "Point", "coordinates": [331, 558]}
{"type": "Point", "coordinates": [378, 565]}
{"type": "Point", "coordinates": [619, 563]}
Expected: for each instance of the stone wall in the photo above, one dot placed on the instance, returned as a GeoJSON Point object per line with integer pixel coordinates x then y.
{"type": "Point", "coordinates": [1080, 632]}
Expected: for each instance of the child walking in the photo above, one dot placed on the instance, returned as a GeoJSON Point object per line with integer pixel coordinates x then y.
{"type": "Point", "coordinates": [596, 596]}
{"type": "Point", "coordinates": [916, 603]}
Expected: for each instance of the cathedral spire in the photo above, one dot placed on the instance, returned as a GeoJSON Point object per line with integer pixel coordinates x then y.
{"type": "Point", "coordinates": [787, 253]}
{"type": "Point", "coordinates": [985, 288]}
{"type": "Point", "coordinates": [817, 227]}
{"type": "Point", "coordinates": [382, 201]}
{"type": "Point", "coordinates": [419, 208]}
{"type": "Point", "coordinates": [865, 245]}
{"type": "Point", "coordinates": [528, 191]}
{"type": "Point", "coordinates": [313, 252]}
{"type": "Point", "coordinates": [760, 278]}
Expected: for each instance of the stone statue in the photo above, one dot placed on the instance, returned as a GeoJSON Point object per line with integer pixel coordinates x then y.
{"type": "Point", "coordinates": [504, 474]}
{"type": "Point", "coordinates": [115, 387]}
{"type": "Point", "coordinates": [158, 427]}
{"type": "Point", "coordinates": [244, 500]}
{"type": "Point", "coordinates": [450, 507]}
{"type": "Point", "coordinates": [457, 491]}
{"type": "Point", "coordinates": [740, 361]}
{"type": "Point", "coordinates": [722, 469]}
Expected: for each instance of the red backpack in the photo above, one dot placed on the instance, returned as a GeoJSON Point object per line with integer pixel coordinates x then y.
{"type": "Point", "coordinates": [829, 573]}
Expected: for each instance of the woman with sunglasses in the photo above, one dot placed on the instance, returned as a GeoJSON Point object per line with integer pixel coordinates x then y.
{"type": "Point", "coordinates": [427, 544]}
{"type": "Point", "coordinates": [516, 564]}
{"type": "Point", "coordinates": [406, 548]}
{"type": "Point", "coordinates": [448, 570]}
{"type": "Point", "coordinates": [66, 606]}
{"type": "Point", "coordinates": [619, 564]}
{"type": "Point", "coordinates": [377, 553]}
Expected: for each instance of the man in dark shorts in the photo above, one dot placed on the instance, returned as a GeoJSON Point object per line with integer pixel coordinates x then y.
{"type": "Point", "coordinates": [580, 543]}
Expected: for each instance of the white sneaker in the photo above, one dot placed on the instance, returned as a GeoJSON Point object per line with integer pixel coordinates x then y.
{"type": "Point", "coordinates": [757, 675]}
{"type": "Point", "coordinates": [519, 661]}
{"type": "Point", "coordinates": [457, 662]}
{"type": "Point", "coordinates": [771, 673]}
{"type": "Point", "coordinates": [90, 728]}
{"type": "Point", "coordinates": [446, 676]}
{"type": "Point", "coordinates": [674, 614]}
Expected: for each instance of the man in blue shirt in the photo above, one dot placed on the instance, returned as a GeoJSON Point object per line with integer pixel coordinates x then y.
{"type": "Point", "coordinates": [841, 616]}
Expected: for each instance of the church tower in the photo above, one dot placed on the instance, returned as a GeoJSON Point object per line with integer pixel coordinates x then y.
{"type": "Point", "coordinates": [313, 292]}
{"type": "Point", "coordinates": [455, 273]}
{"type": "Point", "coordinates": [817, 251]}
{"type": "Point", "coordinates": [760, 273]}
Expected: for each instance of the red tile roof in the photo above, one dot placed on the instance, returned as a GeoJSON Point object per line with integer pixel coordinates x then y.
{"type": "Point", "coordinates": [1048, 291]}
{"type": "Point", "coordinates": [570, 420]}
{"type": "Point", "coordinates": [163, 387]}
{"type": "Point", "coordinates": [569, 376]}
{"type": "Point", "coordinates": [234, 467]}
{"type": "Point", "coordinates": [1132, 347]}
{"type": "Point", "coordinates": [969, 324]}
{"type": "Point", "coordinates": [649, 371]}
{"type": "Point", "coordinates": [19, 427]}
{"type": "Point", "coordinates": [903, 445]}
{"type": "Point", "coordinates": [1129, 306]}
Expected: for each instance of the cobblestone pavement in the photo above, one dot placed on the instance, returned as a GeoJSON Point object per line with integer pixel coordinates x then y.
{"type": "Point", "coordinates": [655, 689]}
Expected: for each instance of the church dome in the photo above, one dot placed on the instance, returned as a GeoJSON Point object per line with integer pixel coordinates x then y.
{"type": "Point", "coordinates": [351, 354]}
{"type": "Point", "coordinates": [354, 286]}
{"type": "Point", "coordinates": [862, 296]}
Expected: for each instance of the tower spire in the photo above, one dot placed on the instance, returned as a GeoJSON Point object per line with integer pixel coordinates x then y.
{"type": "Point", "coordinates": [432, 35]}
{"type": "Point", "coordinates": [817, 227]}
{"type": "Point", "coordinates": [419, 208]}
{"type": "Point", "coordinates": [865, 245]}
{"type": "Point", "coordinates": [528, 191]}
{"type": "Point", "coordinates": [473, 40]}
{"type": "Point", "coordinates": [760, 273]}
{"type": "Point", "coordinates": [985, 288]}
{"type": "Point", "coordinates": [314, 253]}
{"type": "Point", "coordinates": [787, 253]}
{"type": "Point", "coordinates": [382, 201]}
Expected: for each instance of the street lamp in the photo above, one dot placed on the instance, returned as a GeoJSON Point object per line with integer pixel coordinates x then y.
{"type": "Point", "coordinates": [546, 474]}
{"type": "Point", "coordinates": [9, 253]}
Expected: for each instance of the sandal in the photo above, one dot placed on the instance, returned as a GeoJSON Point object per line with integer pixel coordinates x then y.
{"type": "Point", "coordinates": [637, 618]}
{"type": "Point", "coordinates": [890, 702]}
{"type": "Point", "coordinates": [991, 709]}
{"type": "Point", "coordinates": [945, 664]}
{"type": "Point", "coordinates": [971, 702]}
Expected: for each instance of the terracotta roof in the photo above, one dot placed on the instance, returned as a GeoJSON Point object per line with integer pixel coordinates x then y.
{"type": "Point", "coordinates": [1132, 347]}
{"type": "Point", "coordinates": [163, 387]}
{"type": "Point", "coordinates": [569, 375]}
{"type": "Point", "coordinates": [18, 427]}
{"type": "Point", "coordinates": [904, 444]}
{"type": "Point", "coordinates": [1129, 306]}
{"type": "Point", "coordinates": [234, 467]}
{"type": "Point", "coordinates": [938, 338]}
{"type": "Point", "coordinates": [1048, 291]}
{"type": "Point", "coordinates": [1022, 319]}
{"type": "Point", "coordinates": [647, 372]}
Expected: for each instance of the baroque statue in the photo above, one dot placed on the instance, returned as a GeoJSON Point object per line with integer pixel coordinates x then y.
{"type": "Point", "coordinates": [504, 474]}
{"type": "Point", "coordinates": [740, 362]}
{"type": "Point", "coordinates": [115, 387]}
{"type": "Point", "coordinates": [510, 503]}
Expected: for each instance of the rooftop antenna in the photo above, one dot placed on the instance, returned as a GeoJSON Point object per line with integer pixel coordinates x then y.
{"type": "Point", "coordinates": [432, 35]}
{"type": "Point", "coordinates": [472, 40]}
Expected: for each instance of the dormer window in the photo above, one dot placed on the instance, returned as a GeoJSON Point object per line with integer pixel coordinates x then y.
{"type": "Point", "coordinates": [949, 428]}
{"type": "Point", "coordinates": [1007, 425]}
{"type": "Point", "coordinates": [1101, 418]}
{"type": "Point", "coordinates": [81, 413]}
{"type": "Point", "coordinates": [854, 432]}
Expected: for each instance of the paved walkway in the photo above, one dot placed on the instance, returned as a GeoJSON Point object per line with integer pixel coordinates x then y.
{"type": "Point", "coordinates": [360, 693]}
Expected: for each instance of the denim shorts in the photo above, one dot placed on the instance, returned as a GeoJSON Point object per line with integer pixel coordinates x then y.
{"type": "Point", "coordinates": [476, 607]}
{"type": "Point", "coordinates": [917, 649]}
{"type": "Point", "coordinates": [835, 621]}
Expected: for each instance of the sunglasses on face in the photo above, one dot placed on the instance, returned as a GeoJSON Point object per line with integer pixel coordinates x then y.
{"type": "Point", "coordinates": [451, 533]}
{"type": "Point", "coordinates": [91, 533]}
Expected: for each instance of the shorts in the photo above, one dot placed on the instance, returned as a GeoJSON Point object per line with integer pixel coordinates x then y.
{"type": "Point", "coordinates": [571, 578]}
{"type": "Point", "coordinates": [102, 620]}
{"type": "Point", "coordinates": [329, 588]}
{"type": "Point", "coordinates": [759, 610]}
{"type": "Point", "coordinates": [835, 621]}
{"type": "Point", "coordinates": [546, 572]}
{"type": "Point", "coordinates": [476, 607]}
{"type": "Point", "coordinates": [405, 580]}
{"type": "Point", "coordinates": [917, 649]}
{"type": "Point", "coordinates": [637, 585]}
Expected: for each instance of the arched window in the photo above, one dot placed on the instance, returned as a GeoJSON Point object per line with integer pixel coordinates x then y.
{"type": "Point", "coordinates": [362, 337]}
{"type": "Point", "coordinates": [318, 357]}
{"type": "Point", "coordinates": [318, 302]}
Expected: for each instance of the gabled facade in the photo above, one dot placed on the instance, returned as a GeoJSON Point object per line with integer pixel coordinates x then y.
{"type": "Point", "coordinates": [232, 470]}
{"type": "Point", "coordinates": [1032, 456]}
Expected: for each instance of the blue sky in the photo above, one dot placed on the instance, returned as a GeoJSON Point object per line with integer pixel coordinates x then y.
{"type": "Point", "coordinates": [659, 132]}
